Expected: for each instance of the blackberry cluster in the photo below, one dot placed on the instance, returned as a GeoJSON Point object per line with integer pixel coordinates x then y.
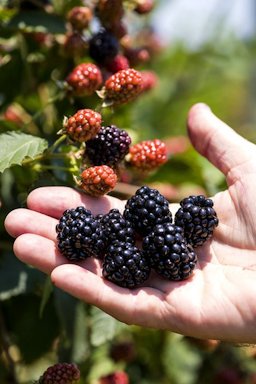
{"type": "Point", "coordinates": [169, 253]}
{"type": "Point", "coordinates": [116, 228]}
{"type": "Point", "coordinates": [109, 146]}
{"type": "Point", "coordinates": [147, 208]}
{"type": "Point", "coordinates": [167, 247]}
{"type": "Point", "coordinates": [125, 265]}
{"type": "Point", "coordinates": [79, 235]}
{"type": "Point", "coordinates": [198, 219]}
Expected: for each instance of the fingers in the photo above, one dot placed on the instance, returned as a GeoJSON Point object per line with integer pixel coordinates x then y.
{"type": "Point", "coordinates": [22, 221]}
{"type": "Point", "coordinates": [43, 254]}
{"type": "Point", "coordinates": [217, 141]}
{"type": "Point", "coordinates": [53, 201]}
{"type": "Point", "coordinates": [129, 306]}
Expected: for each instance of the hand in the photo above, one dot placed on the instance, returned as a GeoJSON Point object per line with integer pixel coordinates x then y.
{"type": "Point", "coordinates": [218, 301]}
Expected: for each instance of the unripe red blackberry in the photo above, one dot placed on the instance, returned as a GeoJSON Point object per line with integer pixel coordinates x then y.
{"type": "Point", "coordinates": [98, 180]}
{"type": "Point", "coordinates": [123, 86]}
{"type": "Point", "coordinates": [80, 235]}
{"type": "Point", "coordinates": [149, 79]}
{"type": "Point", "coordinates": [147, 155]}
{"type": "Point", "coordinates": [198, 219]}
{"type": "Point", "coordinates": [119, 377]}
{"type": "Point", "coordinates": [125, 265]}
{"type": "Point", "coordinates": [118, 63]}
{"type": "Point", "coordinates": [169, 253]}
{"type": "Point", "coordinates": [83, 125]}
{"type": "Point", "coordinates": [103, 46]}
{"type": "Point", "coordinates": [137, 56]}
{"type": "Point", "coordinates": [144, 6]}
{"type": "Point", "coordinates": [79, 17]}
{"type": "Point", "coordinates": [75, 45]}
{"type": "Point", "coordinates": [61, 373]}
{"type": "Point", "coordinates": [146, 209]}
{"type": "Point", "coordinates": [84, 79]}
{"type": "Point", "coordinates": [108, 147]}
{"type": "Point", "coordinates": [109, 12]}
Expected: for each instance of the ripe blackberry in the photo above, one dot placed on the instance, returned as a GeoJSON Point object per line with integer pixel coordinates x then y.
{"type": "Point", "coordinates": [98, 180]}
{"type": "Point", "coordinates": [109, 146]}
{"type": "Point", "coordinates": [148, 155]}
{"type": "Point", "coordinates": [169, 253]}
{"type": "Point", "coordinates": [84, 79]}
{"type": "Point", "coordinates": [103, 46]}
{"type": "Point", "coordinates": [83, 125]}
{"type": "Point", "coordinates": [123, 86]}
{"type": "Point", "coordinates": [117, 228]}
{"type": "Point", "coordinates": [79, 235]}
{"type": "Point", "coordinates": [61, 373]}
{"type": "Point", "coordinates": [125, 265]}
{"type": "Point", "coordinates": [198, 219]}
{"type": "Point", "coordinates": [146, 209]}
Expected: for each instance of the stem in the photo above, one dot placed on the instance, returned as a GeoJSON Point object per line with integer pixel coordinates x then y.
{"type": "Point", "coordinates": [58, 168]}
{"type": "Point", "coordinates": [57, 143]}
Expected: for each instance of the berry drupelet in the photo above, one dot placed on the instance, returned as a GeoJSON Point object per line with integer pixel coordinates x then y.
{"type": "Point", "coordinates": [109, 147]}
{"type": "Point", "coordinates": [117, 228]}
{"type": "Point", "coordinates": [169, 253]}
{"type": "Point", "coordinates": [80, 235]}
{"type": "Point", "coordinates": [198, 219]}
{"type": "Point", "coordinates": [146, 209]}
{"type": "Point", "coordinates": [125, 265]}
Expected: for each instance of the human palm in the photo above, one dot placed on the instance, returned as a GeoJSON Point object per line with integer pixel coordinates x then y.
{"type": "Point", "coordinates": [217, 301]}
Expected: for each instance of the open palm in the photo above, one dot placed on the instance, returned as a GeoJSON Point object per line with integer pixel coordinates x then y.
{"type": "Point", "coordinates": [217, 302]}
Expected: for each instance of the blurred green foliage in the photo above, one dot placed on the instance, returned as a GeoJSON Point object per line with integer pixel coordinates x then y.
{"type": "Point", "coordinates": [39, 325]}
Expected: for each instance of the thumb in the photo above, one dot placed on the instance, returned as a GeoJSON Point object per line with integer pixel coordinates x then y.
{"type": "Point", "coordinates": [216, 141]}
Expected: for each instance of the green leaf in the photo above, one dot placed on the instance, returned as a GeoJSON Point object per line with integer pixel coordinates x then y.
{"type": "Point", "coordinates": [16, 146]}
{"type": "Point", "coordinates": [104, 327]}
{"type": "Point", "coordinates": [37, 21]}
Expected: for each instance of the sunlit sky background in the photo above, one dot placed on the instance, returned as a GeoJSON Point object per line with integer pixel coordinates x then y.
{"type": "Point", "coordinates": [195, 21]}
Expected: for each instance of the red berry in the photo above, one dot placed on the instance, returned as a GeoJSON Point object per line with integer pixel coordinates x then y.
{"type": "Point", "coordinates": [137, 56]}
{"type": "Point", "coordinates": [115, 378]}
{"type": "Point", "coordinates": [118, 63]}
{"type": "Point", "coordinates": [83, 125]}
{"type": "Point", "coordinates": [149, 79]}
{"type": "Point", "coordinates": [98, 180]}
{"type": "Point", "coordinates": [123, 86]}
{"type": "Point", "coordinates": [85, 79]}
{"type": "Point", "coordinates": [74, 45]}
{"type": "Point", "coordinates": [148, 155]}
{"type": "Point", "coordinates": [62, 373]}
{"type": "Point", "coordinates": [109, 12]}
{"type": "Point", "coordinates": [80, 17]}
{"type": "Point", "coordinates": [144, 6]}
